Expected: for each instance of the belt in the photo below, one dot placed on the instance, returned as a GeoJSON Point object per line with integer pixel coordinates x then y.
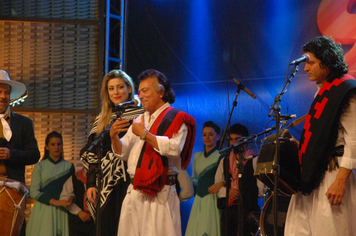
{"type": "Point", "coordinates": [170, 180]}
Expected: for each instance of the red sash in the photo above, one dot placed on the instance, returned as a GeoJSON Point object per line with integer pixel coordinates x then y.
{"type": "Point", "coordinates": [152, 168]}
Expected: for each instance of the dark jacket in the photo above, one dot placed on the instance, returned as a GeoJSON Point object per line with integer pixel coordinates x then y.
{"type": "Point", "coordinates": [23, 147]}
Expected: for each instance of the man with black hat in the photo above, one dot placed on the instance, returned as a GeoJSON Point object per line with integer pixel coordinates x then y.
{"type": "Point", "coordinates": [18, 145]}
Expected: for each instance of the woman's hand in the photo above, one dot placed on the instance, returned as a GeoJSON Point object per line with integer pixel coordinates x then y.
{"type": "Point", "coordinates": [91, 195]}
{"type": "Point", "coordinates": [61, 203]}
{"type": "Point", "coordinates": [215, 187]}
{"type": "Point", "coordinates": [84, 216]}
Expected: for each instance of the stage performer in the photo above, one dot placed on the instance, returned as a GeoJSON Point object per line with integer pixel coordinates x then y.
{"type": "Point", "coordinates": [48, 215]}
{"type": "Point", "coordinates": [326, 201]}
{"type": "Point", "coordinates": [18, 147]}
{"type": "Point", "coordinates": [249, 188]}
{"type": "Point", "coordinates": [204, 218]}
{"type": "Point", "coordinates": [157, 146]}
{"type": "Point", "coordinates": [117, 87]}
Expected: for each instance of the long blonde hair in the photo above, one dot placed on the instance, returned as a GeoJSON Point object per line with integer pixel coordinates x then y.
{"type": "Point", "coordinates": [106, 104]}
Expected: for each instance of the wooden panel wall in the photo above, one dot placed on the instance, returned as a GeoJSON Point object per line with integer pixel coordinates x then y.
{"type": "Point", "coordinates": [55, 49]}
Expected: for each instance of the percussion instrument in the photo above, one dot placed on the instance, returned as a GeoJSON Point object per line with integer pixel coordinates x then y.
{"type": "Point", "coordinates": [12, 206]}
{"type": "Point", "coordinates": [266, 219]}
{"type": "Point", "coordinates": [289, 163]}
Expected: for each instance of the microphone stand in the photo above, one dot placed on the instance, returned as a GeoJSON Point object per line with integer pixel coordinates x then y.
{"type": "Point", "coordinates": [239, 149]}
{"type": "Point", "coordinates": [239, 87]}
{"type": "Point", "coordinates": [98, 144]}
{"type": "Point", "coordinates": [240, 167]}
{"type": "Point", "coordinates": [226, 168]}
{"type": "Point", "coordinates": [99, 176]}
{"type": "Point", "coordinates": [245, 140]}
{"type": "Point", "coordinates": [275, 109]}
{"type": "Point", "coordinates": [234, 103]}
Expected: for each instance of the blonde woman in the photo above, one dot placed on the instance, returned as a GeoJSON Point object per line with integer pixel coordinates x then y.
{"type": "Point", "coordinates": [117, 87]}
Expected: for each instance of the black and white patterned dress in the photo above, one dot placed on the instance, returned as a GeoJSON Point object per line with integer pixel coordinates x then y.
{"type": "Point", "coordinates": [115, 179]}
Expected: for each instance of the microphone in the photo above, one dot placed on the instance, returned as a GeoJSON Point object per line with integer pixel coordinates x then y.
{"type": "Point", "coordinates": [243, 87]}
{"type": "Point", "coordinates": [304, 57]}
{"type": "Point", "coordinates": [123, 105]}
{"type": "Point", "coordinates": [288, 117]}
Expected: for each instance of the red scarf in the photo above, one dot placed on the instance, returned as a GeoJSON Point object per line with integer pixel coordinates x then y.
{"type": "Point", "coordinates": [152, 168]}
{"type": "Point", "coordinates": [82, 177]}
{"type": "Point", "coordinates": [234, 171]}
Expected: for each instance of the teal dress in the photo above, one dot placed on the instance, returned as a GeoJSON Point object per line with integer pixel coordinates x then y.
{"type": "Point", "coordinates": [204, 219]}
{"type": "Point", "coordinates": [47, 182]}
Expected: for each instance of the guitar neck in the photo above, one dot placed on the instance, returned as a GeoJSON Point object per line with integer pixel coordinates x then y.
{"type": "Point", "coordinates": [296, 122]}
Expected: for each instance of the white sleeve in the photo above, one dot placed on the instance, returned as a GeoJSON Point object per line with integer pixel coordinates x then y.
{"type": "Point", "coordinates": [347, 121]}
{"type": "Point", "coordinates": [186, 185]}
{"type": "Point", "coordinates": [73, 208]}
{"type": "Point", "coordinates": [67, 190]}
{"type": "Point", "coordinates": [171, 148]}
{"type": "Point", "coordinates": [219, 177]}
{"type": "Point", "coordinates": [66, 193]}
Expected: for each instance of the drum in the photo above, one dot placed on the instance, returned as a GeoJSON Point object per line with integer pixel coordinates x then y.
{"type": "Point", "coordinates": [266, 219]}
{"type": "Point", "coordinates": [289, 163]}
{"type": "Point", "coordinates": [12, 206]}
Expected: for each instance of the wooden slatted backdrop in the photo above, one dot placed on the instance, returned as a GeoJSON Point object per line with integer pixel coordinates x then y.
{"type": "Point", "coordinates": [53, 47]}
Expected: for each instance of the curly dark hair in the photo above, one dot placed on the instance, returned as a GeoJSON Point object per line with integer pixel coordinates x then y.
{"type": "Point", "coordinates": [169, 95]}
{"type": "Point", "coordinates": [238, 129]}
{"type": "Point", "coordinates": [330, 54]}
{"type": "Point", "coordinates": [212, 125]}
